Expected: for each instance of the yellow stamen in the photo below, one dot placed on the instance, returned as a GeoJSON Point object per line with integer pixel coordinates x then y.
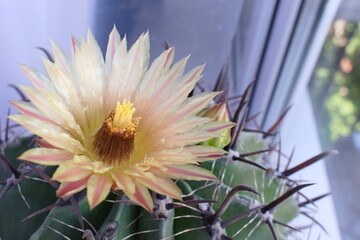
{"type": "Point", "coordinates": [114, 141]}
{"type": "Point", "coordinates": [123, 114]}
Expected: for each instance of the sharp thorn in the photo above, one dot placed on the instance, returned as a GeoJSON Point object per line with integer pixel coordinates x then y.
{"type": "Point", "coordinates": [249, 162]}
{"type": "Point", "coordinates": [272, 229]}
{"type": "Point", "coordinates": [274, 127]}
{"type": "Point", "coordinates": [308, 162]}
{"type": "Point", "coordinates": [47, 54]}
{"type": "Point", "coordinates": [302, 204]}
{"type": "Point", "coordinates": [21, 94]}
{"type": "Point", "coordinates": [228, 200]}
{"type": "Point", "coordinates": [283, 197]}
{"type": "Point", "coordinates": [240, 216]}
{"type": "Point", "coordinates": [254, 153]}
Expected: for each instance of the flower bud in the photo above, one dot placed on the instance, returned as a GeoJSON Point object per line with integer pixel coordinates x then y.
{"type": "Point", "coordinates": [217, 112]}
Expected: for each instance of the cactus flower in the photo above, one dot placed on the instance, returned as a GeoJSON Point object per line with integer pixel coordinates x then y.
{"type": "Point", "coordinates": [217, 112]}
{"type": "Point", "coordinates": [118, 123]}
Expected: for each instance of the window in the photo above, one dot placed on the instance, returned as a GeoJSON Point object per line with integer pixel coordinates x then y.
{"type": "Point", "coordinates": [335, 94]}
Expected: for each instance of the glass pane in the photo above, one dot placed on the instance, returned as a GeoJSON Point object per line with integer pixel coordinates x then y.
{"type": "Point", "coordinates": [183, 24]}
{"type": "Point", "coordinates": [335, 94]}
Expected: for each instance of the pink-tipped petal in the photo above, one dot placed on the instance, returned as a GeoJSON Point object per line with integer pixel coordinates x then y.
{"type": "Point", "coordinates": [54, 108]}
{"type": "Point", "coordinates": [170, 78]}
{"type": "Point", "coordinates": [124, 181]}
{"type": "Point", "coordinates": [217, 126]}
{"type": "Point", "coordinates": [30, 110]}
{"type": "Point", "coordinates": [116, 70]}
{"type": "Point", "coordinates": [151, 78]}
{"type": "Point", "coordinates": [181, 92]}
{"type": "Point", "coordinates": [40, 100]}
{"type": "Point", "coordinates": [68, 172]}
{"type": "Point", "coordinates": [44, 144]}
{"type": "Point", "coordinates": [160, 185]}
{"type": "Point", "coordinates": [46, 156]}
{"type": "Point", "coordinates": [188, 138]}
{"type": "Point", "coordinates": [69, 188]}
{"type": "Point", "coordinates": [138, 60]}
{"type": "Point", "coordinates": [173, 156]}
{"type": "Point", "coordinates": [204, 153]}
{"type": "Point", "coordinates": [83, 162]}
{"type": "Point", "coordinates": [67, 109]}
{"type": "Point", "coordinates": [114, 42]}
{"type": "Point", "coordinates": [180, 127]}
{"type": "Point", "coordinates": [98, 187]}
{"type": "Point", "coordinates": [60, 58]}
{"type": "Point", "coordinates": [193, 75]}
{"type": "Point", "coordinates": [193, 105]}
{"type": "Point", "coordinates": [142, 197]}
{"type": "Point", "coordinates": [51, 133]}
{"type": "Point", "coordinates": [189, 172]}
{"type": "Point", "coordinates": [36, 78]}
{"type": "Point", "coordinates": [75, 45]}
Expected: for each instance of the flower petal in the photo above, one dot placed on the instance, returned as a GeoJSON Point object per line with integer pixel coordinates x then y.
{"type": "Point", "coordinates": [69, 188]}
{"type": "Point", "coordinates": [123, 181]}
{"type": "Point", "coordinates": [114, 42]}
{"type": "Point", "coordinates": [142, 197]}
{"type": "Point", "coordinates": [189, 172]}
{"type": "Point", "coordinates": [188, 138]}
{"type": "Point", "coordinates": [46, 156]}
{"type": "Point", "coordinates": [83, 162]}
{"type": "Point", "coordinates": [171, 156]}
{"type": "Point", "coordinates": [98, 188]}
{"type": "Point", "coordinates": [75, 45]}
{"type": "Point", "coordinates": [60, 58]}
{"type": "Point", "coordinates": [40, 100]}
{"type": "Point", "coordinates": [138, 60]}
{"type": "Point", "coordinates": [194, 104]}
{"type": "Point", "coordinates": [50, 133]}
{"type": "Point", "coordinates": [167, 81]}
{"type": "Point", "coordinates": [54, 108]}
{"type": "Point", "coordinates": [68, 172]}
{"type": "Point", "coordinates": [204, 153]}
{"type": "Point", "coordinates": [156, 70]}
{"type": "Point", "coordinates": [217, 127]}
{"type": "Point", "coordinates": [36, 78]}
{"type": "Point", "coordinates": [44, 144]}
{"type": "Point", "coordinates": [115, 82]}
{"type": "Point", "coordinates": [30, 110]}
{"type": "Point", "coordinates": [91, 80]}
{"type": "Point", "coordinates": [64, 83]}
{"type": "Point", "coordinates": [181, 92]}
{"type": "Point", "coordinates": [160, 185]}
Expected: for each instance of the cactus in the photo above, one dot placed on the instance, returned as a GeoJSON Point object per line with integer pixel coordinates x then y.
{"type": "Point", "coordinates": [250, 200]}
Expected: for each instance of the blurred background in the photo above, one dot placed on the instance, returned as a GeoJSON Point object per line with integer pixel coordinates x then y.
{"type": "Point", "coordinates": [301, 52]}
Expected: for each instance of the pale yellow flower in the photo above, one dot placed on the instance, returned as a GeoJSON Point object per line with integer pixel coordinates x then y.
{"type": "Point", "coordinates": [118, 124]}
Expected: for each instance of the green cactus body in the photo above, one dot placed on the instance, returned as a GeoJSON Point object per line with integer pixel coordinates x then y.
{"type": "Point", "coordinates": [13, 208]}
{"type": "Point", "coordinates": [120, 220]}
{"type": "Point", "coordinates": [66, 215]}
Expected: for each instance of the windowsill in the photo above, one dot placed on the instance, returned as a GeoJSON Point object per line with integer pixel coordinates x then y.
{"type": "Point", "coordinates": [299, 130]}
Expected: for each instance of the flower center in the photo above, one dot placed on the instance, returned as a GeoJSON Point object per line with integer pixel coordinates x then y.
{"type": "Point", "coordinates": [114, 141]}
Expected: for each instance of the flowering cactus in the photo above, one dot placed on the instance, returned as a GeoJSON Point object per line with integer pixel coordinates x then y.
{"type": "Point", "coordinates": [117, 125]}
{"type": "Point", "coordinates": [111, 136]}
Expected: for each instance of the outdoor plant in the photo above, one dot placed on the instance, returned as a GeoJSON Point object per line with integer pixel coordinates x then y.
{"type": "Point", "coordinates": [124, 150]}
